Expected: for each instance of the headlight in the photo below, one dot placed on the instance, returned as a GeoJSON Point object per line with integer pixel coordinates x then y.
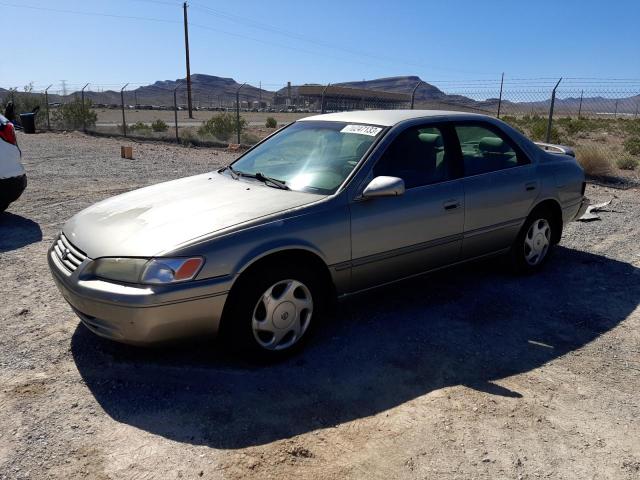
{"type": "Point", "coordinates": [144, 270]}
{"type": "Point", "coordinates": [127, 270]}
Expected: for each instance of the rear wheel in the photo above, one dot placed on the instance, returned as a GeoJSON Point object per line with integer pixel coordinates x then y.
{"type": "Point", "coordinates": [534, 243]}
{"type": "Point", "coordinates": [273, 309]}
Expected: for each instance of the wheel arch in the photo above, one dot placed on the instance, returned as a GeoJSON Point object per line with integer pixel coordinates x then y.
{"type": "Point", "coordinates": [552, 206]}
{"type": "Point", "coordinates": [298, 255]}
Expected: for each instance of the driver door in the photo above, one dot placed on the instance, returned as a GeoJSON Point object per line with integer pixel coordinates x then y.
{"type": "Point", "coordinates": [396, 237]}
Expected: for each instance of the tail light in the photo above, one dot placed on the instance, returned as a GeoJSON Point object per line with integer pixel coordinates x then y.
{"type": "Point", "coordinates": [8, 133]}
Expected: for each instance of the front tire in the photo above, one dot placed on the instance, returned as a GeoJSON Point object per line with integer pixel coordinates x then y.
{"type": "Point", "coordinates": [534, 243]}
{"type": "Point", "coordinates": [273, 310]}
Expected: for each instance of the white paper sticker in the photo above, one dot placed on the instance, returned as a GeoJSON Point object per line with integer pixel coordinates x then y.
{"type": "Point", "coordinates": [362, 130]}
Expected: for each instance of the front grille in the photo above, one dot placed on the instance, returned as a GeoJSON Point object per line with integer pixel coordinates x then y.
{"type": "Point", "coordinates": [68, 255]}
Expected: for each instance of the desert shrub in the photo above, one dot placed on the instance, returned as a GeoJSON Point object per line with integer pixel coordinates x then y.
{"type": "Point", "coordinates": [140, 127]}
{"type": "Point", "coordinates": [627, 162]}
{"type": "Point", "coordinates": [188, 137]}
{"type": "Point", "coordinates": [249, 138]}
{"type": "Point", "coordinates": [593, 161]}
{"type": "Point", "coordinates": [538, 132]}
{"type": "Point", "coordinates": [632, 145]}
{"type": "Point", "coordinates": [159, 126]}
{"type": "Point", "coordinates": [271, 122]}
{"type": "Point", "coordinates": [632, 127]}
{"type": "Point", "coordinates": [222, 126]}
{"type": "Point", "coordinates": [74, 115]}
{"type": "Point", "coordinates": [575, 127]}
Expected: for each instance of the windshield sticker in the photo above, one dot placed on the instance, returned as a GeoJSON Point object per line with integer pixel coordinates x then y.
{"type": "Point", "coordinates": [362, 130]}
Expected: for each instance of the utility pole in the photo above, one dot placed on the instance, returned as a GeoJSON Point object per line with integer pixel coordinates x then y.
{"type": "Point", "coordinates": [186, 50]}
{"type": "Point", "coordinates": [260, 95]}
{"type": "Point", "coordinates": [135, 96]}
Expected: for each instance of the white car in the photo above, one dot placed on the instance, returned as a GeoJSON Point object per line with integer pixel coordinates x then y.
{"type": "Point", "coordinates": [13, 179]}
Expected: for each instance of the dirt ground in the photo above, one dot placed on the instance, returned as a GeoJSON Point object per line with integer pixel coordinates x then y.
{"type": "Point", "coordinates": [468, 373]}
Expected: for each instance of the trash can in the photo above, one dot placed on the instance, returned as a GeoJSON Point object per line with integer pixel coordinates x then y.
{"type": "Point", "coordinates": [28, 121]}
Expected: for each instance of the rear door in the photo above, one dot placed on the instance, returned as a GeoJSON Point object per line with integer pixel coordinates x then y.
{"type": "Point", "coordinates": [500, 185]}
{"type": "Point", "coordinates": [395, 237]}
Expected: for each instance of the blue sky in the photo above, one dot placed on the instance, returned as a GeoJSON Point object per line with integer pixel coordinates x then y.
{"type": "Point", "coordinates": [327, 41]}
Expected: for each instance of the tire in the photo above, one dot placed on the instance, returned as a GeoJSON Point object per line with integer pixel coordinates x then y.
{"type": "Point", "coordinates": [273, 310]}
{"type": "Point", "coordinates": [534, 243]}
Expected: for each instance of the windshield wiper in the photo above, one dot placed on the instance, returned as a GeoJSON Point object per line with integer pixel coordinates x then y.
{"type": "Point", "coordinates": [278, 183]}
{"type": "Point", "coordinates": [235, 175]}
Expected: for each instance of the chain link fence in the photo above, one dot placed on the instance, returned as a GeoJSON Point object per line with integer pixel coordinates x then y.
{"type": "Point", "coordinates": [599, 119]}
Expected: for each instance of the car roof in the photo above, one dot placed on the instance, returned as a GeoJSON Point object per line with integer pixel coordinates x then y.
{"type": "Point", "coordinates": [386, 118]}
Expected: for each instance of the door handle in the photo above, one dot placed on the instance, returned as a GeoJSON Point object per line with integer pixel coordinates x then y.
{"type": "Point", "coordinates": [530, 186]}
{"type": "Point", "coordinates": [451, 205]}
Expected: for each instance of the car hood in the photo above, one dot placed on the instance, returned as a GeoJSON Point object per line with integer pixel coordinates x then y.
{"type": "Point", "coordinates": [156, 219]}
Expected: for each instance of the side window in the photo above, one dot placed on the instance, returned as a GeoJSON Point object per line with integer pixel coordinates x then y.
{"type": "Point", "coordinates": [484, 150]}
{"type": "Point", "coordinates": [418, 156]}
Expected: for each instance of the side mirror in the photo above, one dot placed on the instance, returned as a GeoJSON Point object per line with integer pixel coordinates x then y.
{"type": "Point", "coordinates": [384, 187]}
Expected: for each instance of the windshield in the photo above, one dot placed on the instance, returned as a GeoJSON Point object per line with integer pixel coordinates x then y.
{"type": "Point", "coordinates": [310, 156]}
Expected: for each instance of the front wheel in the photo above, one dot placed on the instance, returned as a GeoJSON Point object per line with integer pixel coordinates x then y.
{"type": "Point", "coordinates": [272, 311]}
{"type": "Point", "coordinates": [534, 243]}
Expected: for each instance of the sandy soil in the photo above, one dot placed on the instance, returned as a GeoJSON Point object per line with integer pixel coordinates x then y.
{"type": "Point", "coordinates": [468, 373]}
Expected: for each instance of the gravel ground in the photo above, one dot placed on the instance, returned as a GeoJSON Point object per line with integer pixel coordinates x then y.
{"type": "Point", "coordinates": [468, 373]}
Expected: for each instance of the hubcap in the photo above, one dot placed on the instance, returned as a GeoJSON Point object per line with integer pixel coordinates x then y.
{"type": "Point", "coordinates": [282, 315]}
{"type": "Point", "coordinates": [537, 241]}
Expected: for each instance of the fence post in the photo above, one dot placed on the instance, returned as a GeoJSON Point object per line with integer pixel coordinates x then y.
{"type": "Point", "coordinates": [84, 114]}
{"type": "Point", "coordinates": [500, 97]}
{"type": "Point", "coordinates": [580, 106]}
{"type": "Point", "coordinates": [322, 107]}
{"type": "Point", "coordinates": [46, 104]}
{"type": "Point", "coordinates": [553, 101]}
{"type": "Point", "coordinates": [413, 93]}
{"type": "Point", "coordinates": [124, 121]}
{"type": "Point", "coordinates": [238, 110]}
{"type": "Point", "coordinates": [175, 112]}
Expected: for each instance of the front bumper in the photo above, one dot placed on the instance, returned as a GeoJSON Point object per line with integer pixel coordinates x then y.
{"type": "Point", "coordinates": [11, 188]}
{"type": "Point", "coordinates": [142, 314]}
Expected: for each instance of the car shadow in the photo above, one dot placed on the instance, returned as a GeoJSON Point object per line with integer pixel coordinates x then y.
{"type": "Point", "coordinates": [17, 232]}
{"type": "Point", "coordinates": [471, 325]}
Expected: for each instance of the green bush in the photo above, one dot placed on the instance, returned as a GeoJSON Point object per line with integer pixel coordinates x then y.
{"type": "Point", "coordinates": [271, 122]}
{"type": "Point", "coordinates": [539, 132]}
{"type": "Point", "coordinates": [222, 126]}
{"type": "Point", "coordinates": [632, 145]}
{"type": "Point", "coordinates": [159, 126]}
{"type": "Point", "coordinates": [627, 162]}
{"type": "Point", "coordinates": [74, 115]}
{"type": "Point", "coordinates": [140, 127]}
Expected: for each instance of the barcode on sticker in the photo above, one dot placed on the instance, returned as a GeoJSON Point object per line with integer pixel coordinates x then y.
{"type": "Point", "coordinates": [362, 130]}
